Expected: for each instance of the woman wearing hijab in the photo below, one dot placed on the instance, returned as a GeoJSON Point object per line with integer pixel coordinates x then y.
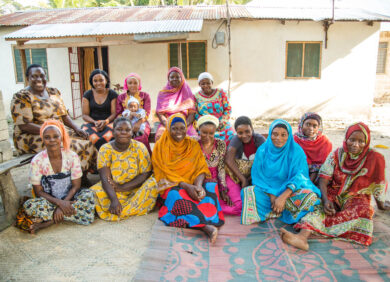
{"type": "Point", "coordinates": [314, 143]}
{"type": "Point", "coordinates": [56, 179]}
{"type": "Point", "coordinates": [176, 97]}
{"type": "Point", "coordinates": [280, 176]}
{"type": "Point", "coordinates": [214, 101]}
{"type": "Point", "coordinates": [132, 88]}
{"type": "Point", "coordinates": [180, 170]}
{"type": "Point", "coordinates": [348, 178]}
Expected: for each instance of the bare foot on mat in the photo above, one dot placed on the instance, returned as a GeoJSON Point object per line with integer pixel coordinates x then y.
{"type": "Point", "coordinates": [212, 232]}
{"type": "Point", "coordinates": [294, 239]}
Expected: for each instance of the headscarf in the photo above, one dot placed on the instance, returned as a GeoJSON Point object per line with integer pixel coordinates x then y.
{"type": "Point", "coordinates": [204, 75]}
{"type": "Point", "coordinates": [173, 100]}
{"type": "Point", "coordinates": [175, 162]}
{"type": "Point", "coordinates": [207, 118]}
{"type": "Point", "coordinates": [135, 76]}
{"type": "Point", "coordinates": [275, 168]}
{"type": "Point", "coordinates": [317, 149]}
{"type": "Point", "coordinates": [349, 163]}
{"type": "Point", "coordinates": [60, 127]}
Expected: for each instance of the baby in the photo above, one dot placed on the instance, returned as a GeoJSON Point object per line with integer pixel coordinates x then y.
{"type": "Point", "coordinates": [134, 113]}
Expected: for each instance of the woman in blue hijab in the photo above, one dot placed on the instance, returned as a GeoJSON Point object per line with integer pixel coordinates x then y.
{"type": "Point", "coordinates": [280, 177]}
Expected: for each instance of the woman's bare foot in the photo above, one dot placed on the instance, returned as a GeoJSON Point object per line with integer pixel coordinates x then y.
{"type": "Point", "coordinates": [212, 232]}
{"type": "Point", "coordinates": [40, 225]}
{"type": "Point", "coordinates": [295, 240]}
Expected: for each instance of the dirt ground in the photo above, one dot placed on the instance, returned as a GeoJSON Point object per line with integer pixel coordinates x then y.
{"type": "Point", "coordinates": [23, 256]}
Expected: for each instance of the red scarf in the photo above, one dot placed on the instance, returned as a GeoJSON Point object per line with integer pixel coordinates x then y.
{"type": "Point", "coordinates": [316, 150]}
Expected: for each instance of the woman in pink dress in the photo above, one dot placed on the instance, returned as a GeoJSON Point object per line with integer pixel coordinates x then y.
{"type": "Point", "coordinates": [176, 97]}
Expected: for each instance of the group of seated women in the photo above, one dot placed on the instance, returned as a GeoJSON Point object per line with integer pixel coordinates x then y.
{"type": "Point", "coordinates": [201, 168]}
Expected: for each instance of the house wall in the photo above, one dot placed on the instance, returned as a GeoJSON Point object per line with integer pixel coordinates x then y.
{"type": "Point", "coordinates": [382, 85]}
{"type": "Point", "coordinates": [259, 87]}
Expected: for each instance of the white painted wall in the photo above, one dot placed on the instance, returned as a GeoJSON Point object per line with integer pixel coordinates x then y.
{"type": "Point", "coordinates": [345, 89]}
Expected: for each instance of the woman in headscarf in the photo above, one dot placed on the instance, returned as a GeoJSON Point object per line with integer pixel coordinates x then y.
{"type": "Point", "coordinates": [132, 88]}
{"type": "Point", "coordinates": [214, 101]}
{"type": "Point", "coordinates": [348, 178]}
{"type": "Point", "coordinates": [56, 179]}
{"type": "Point", "coordinates": [180, 170]}
{"type": "Point", "coordinates": [176, 97]}
{"type": "Point", "coordinates": [314, 143]}
{"type": "Point", "coordinates": [214, 151]}
{"type": "Point", "coordinates": [280, 176]}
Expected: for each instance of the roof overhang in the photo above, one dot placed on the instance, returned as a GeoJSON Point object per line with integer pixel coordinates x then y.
{"type": "Point", "coordinates": [103, 29]}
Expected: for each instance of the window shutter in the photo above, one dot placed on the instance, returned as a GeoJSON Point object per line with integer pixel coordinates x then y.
{"type": "Point", "coordinates": [197, 58]}
{"type": "Point", "coordinates": [312, 60]}
{"type": "Point", "coordinates": [294, 59]}
{"type": "Point", "coordinates": [39, 57]}
{"type": "Point", "coordinates": [18, 66]}
{"type": "Point", "coordinates": [173, 56]}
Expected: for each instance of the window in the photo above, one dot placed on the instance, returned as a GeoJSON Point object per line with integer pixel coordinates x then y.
{"type": "Point", "coordinates": [382, 56]}
{"type": "Point", "coordinates": [193, 57]}
{"type": "Point", "coordinates": [33, 56]}
{"type": "Point", "coordinates": [303, 59]}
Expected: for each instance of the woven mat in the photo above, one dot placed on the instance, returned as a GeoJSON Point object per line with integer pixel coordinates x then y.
{"type": "Point", "coordinates": [102, 251]}
{"type": "Point", "coordinates": [256, 253]}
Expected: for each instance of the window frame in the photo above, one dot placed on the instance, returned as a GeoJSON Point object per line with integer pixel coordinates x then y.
{"type": "Point", "coordinates": [386, 58]}
{"type": "Point", "coordinates": [14, 62]}
{"type": "Point", "coordinates": [187, 73]}
{"type": "Point", "coordinates": [303, 60]}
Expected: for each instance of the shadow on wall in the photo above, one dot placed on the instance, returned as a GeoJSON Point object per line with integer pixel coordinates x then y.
{"type": "Point", "coordinates": [290, 110]}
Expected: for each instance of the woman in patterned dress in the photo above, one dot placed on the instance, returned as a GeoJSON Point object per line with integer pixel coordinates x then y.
{"type": "Point", "coordinates": [99, 108]}
{"type": "Point", "coordinates": [127, 186]}
{"type": "Point", "coordinates": [280, 176]}
{"type": "Point", "coordinates": [180, 170]}
{"type": "Point", "coordinates": [348, 178]}
{"type": "Point", "coordinates": [132, 87]}
{"type": "Point", "coordinates": [56, 179]}
{"type": "Point", "coordinates": [214, 151]}
{"type": "Point", "coordinates": [214, 101]}
{"type": "Point", "coordinates": [32, 106]}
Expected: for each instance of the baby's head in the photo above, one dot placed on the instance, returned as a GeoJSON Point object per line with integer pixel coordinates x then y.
{"type": "Point", "coordinates": [133, 104]}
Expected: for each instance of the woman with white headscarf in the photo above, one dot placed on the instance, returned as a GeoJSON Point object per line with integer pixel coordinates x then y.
{"type": "Point", "coordinates": [214, 101]}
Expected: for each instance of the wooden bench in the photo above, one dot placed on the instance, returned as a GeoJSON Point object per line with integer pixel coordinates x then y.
{"type": "Point", "coordinates": [8, 191]}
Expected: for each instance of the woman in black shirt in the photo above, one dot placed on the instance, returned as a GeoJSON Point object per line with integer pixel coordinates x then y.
{"type": "Point", "coordinates": [99, 109]}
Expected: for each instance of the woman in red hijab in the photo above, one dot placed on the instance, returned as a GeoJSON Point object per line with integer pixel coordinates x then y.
{"type": "Point", "coordinates": [348, 178]}
{"type": "Point", "coordinates": [314, 143]}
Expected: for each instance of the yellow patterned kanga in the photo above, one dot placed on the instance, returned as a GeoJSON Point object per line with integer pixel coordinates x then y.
{"type": "Point", "coordinates": [124, 167]}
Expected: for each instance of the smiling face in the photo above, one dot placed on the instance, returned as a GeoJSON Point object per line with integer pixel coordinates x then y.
{"type": "Point", "coordinates": [37, 79]}
{"type": "Point", "coordinates": [52, 139]}
{"type": "Point", "coordinates": [244, 133]}
{"type": "Point", "coordinates": [122, 132]}
{"type": "Point", "coordinates": [132, 85]}
{"type": "Point", "coordinates": [356, 142]}
{"type": "Point", "coordinates": [206, 85]}
{"type": "Point", "coordinates": [178, 131]}
{"type": "Point", "coordinates": [310, 128]}
{"type": "Point", "coordinates": [99, 82]}
{"type": "Point", "coordinates": [133, 107]}
{"type": "Point", "coordinates": [207, 132]}
{"type": "Point", "coordinates": [174, 79]}
{"type": "Point", "coordinates": [279, 137]}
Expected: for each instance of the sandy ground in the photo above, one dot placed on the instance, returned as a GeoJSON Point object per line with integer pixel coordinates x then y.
{"type": "Point", "coordinates": [112, 251]}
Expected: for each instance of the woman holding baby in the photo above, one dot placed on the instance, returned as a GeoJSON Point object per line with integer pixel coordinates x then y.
{"type": "Point", "coordinates": [132, 89]}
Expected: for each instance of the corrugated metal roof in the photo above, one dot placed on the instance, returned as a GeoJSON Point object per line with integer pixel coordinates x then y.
{"type": "Point", "coordinates": [105, 28]}
{"type": "Point", "coordinates": [216, 12]}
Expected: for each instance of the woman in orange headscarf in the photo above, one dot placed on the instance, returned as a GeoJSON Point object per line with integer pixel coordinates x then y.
{"type": "Point", "coordinates": [56, 179]}
{"type": "Point", "coordinates": [180, 170]}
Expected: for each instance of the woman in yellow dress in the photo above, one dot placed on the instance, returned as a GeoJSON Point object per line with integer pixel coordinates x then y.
{"type": "Point", "coordinates": [127, 186]}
